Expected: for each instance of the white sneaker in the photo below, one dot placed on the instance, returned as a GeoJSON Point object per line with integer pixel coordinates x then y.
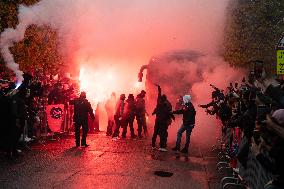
{"type": "Point", "coordinates": [115, 138]}
{"type": "Point", "coordinates": [163, 149]}
{"type": "Point", "coordinates": [27, 139]}
{"type": "Point", "coordinates": [153, 148]}
{"type": "Point", "coordinates": [19, 151]}
{"type": "Point", "coordinates": [236, 170]}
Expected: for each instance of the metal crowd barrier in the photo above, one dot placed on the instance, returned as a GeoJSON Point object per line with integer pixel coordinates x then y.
{"type": "Point", "coordinates": [253, 177]}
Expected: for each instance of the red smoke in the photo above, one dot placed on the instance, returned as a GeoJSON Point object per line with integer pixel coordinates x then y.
{"type": "Point", "coordinates": [112, 39]}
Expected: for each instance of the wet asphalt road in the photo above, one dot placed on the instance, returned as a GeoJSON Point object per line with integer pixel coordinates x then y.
{"type": "Point", "coordinates": [107, 164]}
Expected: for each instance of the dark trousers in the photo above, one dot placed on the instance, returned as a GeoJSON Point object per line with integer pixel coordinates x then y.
{"type": "Point", "coordinates": [161, 129]}
{"type": "Point", "coordinates": [10, 135]}
{"type": "Point", "coordinates": [91, 125]}
{"type": "Point", "coordinates": [78, 124]}
{"type": "Point", "coordinates": [110, 124]}
{"type": "Point", "coordinates": [117, 126]}
{"type": "Point", "coordinates": [141, 122]}
{"type": "Point", "coordinates": [128, 121]}
{"type": "Point", "coordinates": [31, 130]}
{"type": "Point", "coordinates": [21, 127]}
{"type": "Point", "coordinates": [155, 135]}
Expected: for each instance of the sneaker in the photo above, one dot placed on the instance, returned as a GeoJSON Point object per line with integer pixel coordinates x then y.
{"type": "Point", "coordinates": [115, 138]}
{"type": "Point", "coordinates": [176, 149]}
{"type": "Point", "coordinates": [85, 145]}
{"type": "Point", "coordinates": [236, 170]}
{"type": "Point", "coordinates": [27, 139]}
{"type": "Point", "coordinates": [163, 149]}
{"type": "Point", "coordinates": [19, 151]}
{"type": "Point", "coordinates": [154, 148]}
{"type": "Point", "coordinates": [184, 150]}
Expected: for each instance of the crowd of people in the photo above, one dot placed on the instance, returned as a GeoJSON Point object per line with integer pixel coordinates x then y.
{"type": "Point", "coordinates": [23, 111]}
{"type": "Point", "coordinates": [251, 113]}
{"type": "Point", "coordinates": [252, 116]}
{"type": "Point", "coordinates": [122, 114]}
{"type": "Point", "coordinates": [22, 108]}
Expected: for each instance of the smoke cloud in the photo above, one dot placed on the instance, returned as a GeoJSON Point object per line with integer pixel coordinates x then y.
{"type": "Point", "coordinates": [124, 31]}
{"type": "Point", "coordinates": [117, 37]}
{"type": "Point", "coordinates": [188, 72]}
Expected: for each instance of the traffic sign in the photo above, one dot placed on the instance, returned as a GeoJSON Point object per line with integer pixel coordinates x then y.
{"type": "Point", "coordinates": [280, 62]}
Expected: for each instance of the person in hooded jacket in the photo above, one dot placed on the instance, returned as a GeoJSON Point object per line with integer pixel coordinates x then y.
{"type": "Point", "coordinates": [128, 116]}
{"type": "Point", "coordinates": [82, 107]}
{"type": "Point", "coordinates": [119, 109]}
{"type": "Point", "coordinates": [141, 113]}
{"type": "Point", "coordinates": [164, 116]}
{"type": "Point", "coordinates": [188, 112]}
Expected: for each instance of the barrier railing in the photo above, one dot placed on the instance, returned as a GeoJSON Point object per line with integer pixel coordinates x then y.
{"type": "Point", "coordinates": [235, 176]}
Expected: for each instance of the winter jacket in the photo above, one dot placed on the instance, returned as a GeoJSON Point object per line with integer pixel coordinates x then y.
{"type": "Point", "coordinates": [119, 108]}
{"type": "Point", "coordinates": [82, 108]}
{"type": "Point", "coordinates": [188, 112]}
{"type": "Point", "coordinates": [129, 111]}
{"type": "Point", "coordinates": [140, 106]}
{"type": "Point", "coordinates": [163, 112]}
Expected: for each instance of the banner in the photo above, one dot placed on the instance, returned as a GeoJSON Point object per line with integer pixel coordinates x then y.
{"type": "Point", "coordinates": [55, 116]}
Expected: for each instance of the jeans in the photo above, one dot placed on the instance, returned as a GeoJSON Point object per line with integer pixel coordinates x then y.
{"type": "Point", "coordinates": [188, 129]}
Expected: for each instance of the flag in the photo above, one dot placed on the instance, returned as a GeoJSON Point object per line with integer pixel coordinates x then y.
{"type": "Point", "coordinates": [55, 116]}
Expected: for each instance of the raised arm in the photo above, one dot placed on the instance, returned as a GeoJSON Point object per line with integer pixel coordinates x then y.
{"type": "Point", "coordinates": [159, 91]}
